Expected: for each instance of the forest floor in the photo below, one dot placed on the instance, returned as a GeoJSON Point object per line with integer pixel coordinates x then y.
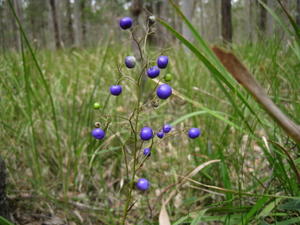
{"type": "Point", "coordinates": [58, 174]}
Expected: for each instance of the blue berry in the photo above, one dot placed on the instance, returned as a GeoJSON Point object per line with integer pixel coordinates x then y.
{"type": "Point", "coordinates": [146, 133]}
{"type": "Point", "coordinates": [160, 134]}
{"type": "Point", "coordinates": [125, 23]}
{"type": "Point", "coordinates": [153, 72]}
{"type": "Point", "coordinates": [142, 184]}
{"type": "Point", "coordinates": [147, 152]}
{"type": "Point", "coordinates": [116, 90]}
{"type": "Point", "coordinates": [167, 128]}
{"type": "Point", "coordinates": [162, 61]}
{"type": "Point", "coordinates": [130, 61]}
{"type": "Point", "coordinates": [98, 133]}
{"type": "Point", "coordinates": [164, 91]}
{"type": "Point", "coordinates": [194, 133]}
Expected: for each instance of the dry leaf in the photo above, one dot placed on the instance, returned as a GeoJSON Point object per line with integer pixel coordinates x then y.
{"type": "Point", "coordinates": [245, 78]}
{"type": "Point", "coordinates": [163, 216]}
{"type": "Point", "coordinates": [191, 174]}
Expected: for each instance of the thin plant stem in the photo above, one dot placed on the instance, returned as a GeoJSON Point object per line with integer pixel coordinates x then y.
{"type": "Point", "coordinates": [135, 115]}
{"type": "Point", "coordinates": [134, 158]}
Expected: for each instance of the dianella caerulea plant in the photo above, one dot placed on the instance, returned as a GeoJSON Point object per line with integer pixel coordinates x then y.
{"type": "Point", "coordinates": [143, 135]}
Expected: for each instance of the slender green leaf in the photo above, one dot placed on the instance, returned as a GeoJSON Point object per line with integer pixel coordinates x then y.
{"type": "Point", "coordinates": [289, 221]}
{"type": "Point", "coordinates": [41, 74]}
{"type": "Point", "coordinates": [254, 210]}
{"type": "Point", "coordinates": [290, 205]}
{"type": "Point", "coordinates": [217, 75]}
{"type": "Point", "coordinates": [199, 217]}
{"type": "Point", "coordinates": [215, 114]}
{"type": "Point", "coordinates": [181, 220]}
{"type": "Point", "coordinates": [292, 21]}
{"type": "Point", "coordinates": [268, 209]}
{"type": "Point", "coordinates": [4, 221]}
{"type": "Point", "coordinates": [208, 53]}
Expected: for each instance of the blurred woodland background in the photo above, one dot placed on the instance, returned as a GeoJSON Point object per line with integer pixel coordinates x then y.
{"type": "Point", "coordinates": [80, 23]}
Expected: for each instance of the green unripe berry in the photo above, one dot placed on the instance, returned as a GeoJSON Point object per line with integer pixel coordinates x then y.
{"type": "Point", "coordinates": [168, 77]}
{"type": "Point", "coordinates": [96, 105]}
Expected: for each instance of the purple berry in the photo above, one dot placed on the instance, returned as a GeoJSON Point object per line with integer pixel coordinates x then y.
{"type": "Point", "coordinates": [98, 133]}
{"type": "Point", "coordinates": [162, 61]}
{"type": "Point", "coordinates": [147, 152]}
{"type": "Point", "coordinates": [167, 128]}
{"type": "Point", "coordinates": [164, 91]}
{"type": "Point", "coordinates": [194, 133]}
{"type": "Point", "coordinates": [153, 72]}
{"type": "Point", "coordinates": [130, 61]}
{"type": "Point", "coordinates": [116, 90]}
{"type": "Point", "coordinates": [146, 133]}
{"type": "Point", "coordinates": [142, 184]}
{"type": "Point", "coordinates": [160, 134]}
{"type": "Point", "coordinates": [125, 23]}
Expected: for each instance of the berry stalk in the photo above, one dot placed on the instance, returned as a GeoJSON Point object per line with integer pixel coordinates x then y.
{"type": "Point", "coordinates": [135, 113]}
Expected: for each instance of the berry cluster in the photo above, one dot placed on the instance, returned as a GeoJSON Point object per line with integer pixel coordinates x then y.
{"type": "Point", "coordinates": [163, 92]}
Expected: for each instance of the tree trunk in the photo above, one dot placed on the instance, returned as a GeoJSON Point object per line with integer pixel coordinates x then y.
{"type": "Point", "coordinates": [270, 21]}
{"type": "Point", "coordinates": [162, 11]}
{"type": "Point", "coordinates": [249, 23]}
{"type": "Point", "coordinates": [298, 13]}
{"type": "Point", "coordinates": [202, 18]}
{"type": "Point", "coordinates": [136, 10]}
{"type": "Point", "coordinates": [12, 30]}
{"type": "Point", "coordinates": [4, 210]}
{"type": "Point", "coordinates": [3, 27]}
{"type": "Point", "coordinates": [187, 9]}
{"type": "Point", "coordinates": [226, 21]}
{"type": "Point", "coordinates": [70, 23]}
{"type": "Point", "coordinates": [77, 28]}
{"type": "Point", "coordinates": [17, 8]}
{"type": "Point", "coordinates": [55, 24]}
{"type": "Point", "coordinates": [82, 7]}
{"type": "Point", "coordinates": [152, 38]}
{"type": "Point", "coordinates": [263, 17]}
{"type": "Point", "coordinates": [217, 20]}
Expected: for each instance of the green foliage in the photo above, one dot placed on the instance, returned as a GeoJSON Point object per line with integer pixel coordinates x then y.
{"type": "Point", "coordinates": [4, 221]}
{"type": "Point", "coordinates": [74, 91]}
{"type": "Point", "coordinates": [205, 55]}
{"type": "Point", "coordinates": [290, 205]}
{"type": "Point", "coordinates": [46, 102]}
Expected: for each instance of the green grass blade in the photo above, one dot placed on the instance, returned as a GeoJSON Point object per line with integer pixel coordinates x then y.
{"type": "Point", "coordinates": [41, 74]}
{"type": "Point", "coordinates": [215, 114]}
{"type": "Point", "coordinates": [4, 221]}
{"type": "Point", "coordinates": [292, 22]}
{"type": "Point", "coordinates": [197, 36]}
{"type": "Point", "coordinates": [290, 205]}
{"type": "Point", "coordinates": [268, 209]}
{"type": "Point", "coordinates": [257, 207]}
{"type": "Point", "coordinates": [276, 18]}
{"type": "Point", "coordinates": [199, 217]}
{"type": "Point", "coordinates": [289, 221]}
{"type": "Point", "coordinates": [211, 56]}
{"type": "Point", "coordinates": [219, 78]}
{"type": "Point", "coordinates": [181, 220]}
{"type": "Point", "coordinates": [36, 164]}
